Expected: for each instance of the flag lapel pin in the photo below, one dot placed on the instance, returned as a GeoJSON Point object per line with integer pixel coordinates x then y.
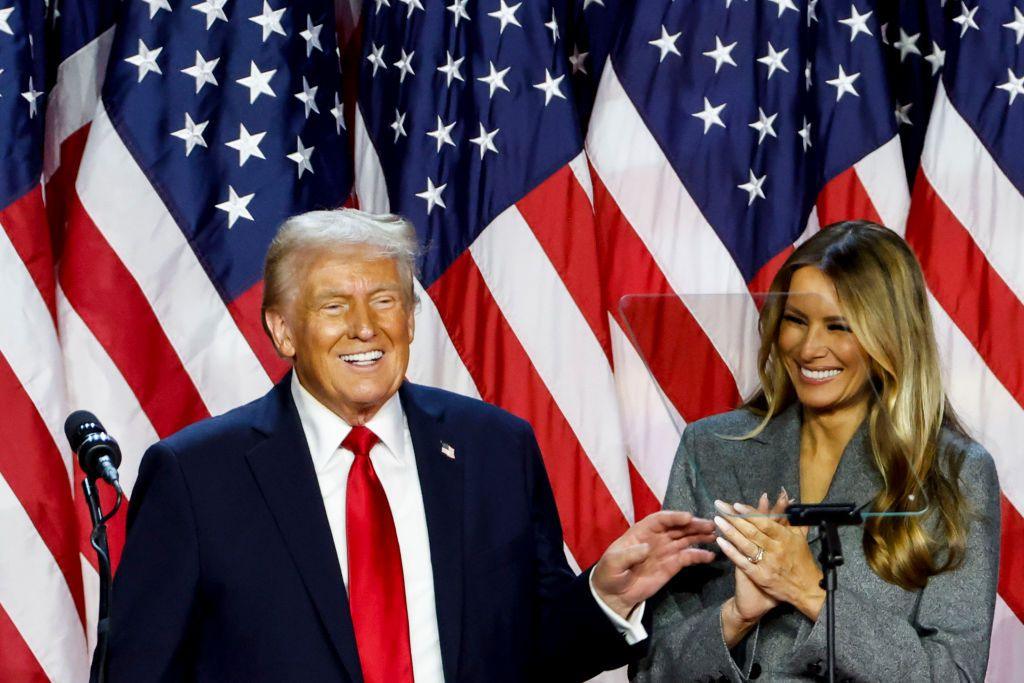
{"type": "Point", "coordinates": [448, 450]}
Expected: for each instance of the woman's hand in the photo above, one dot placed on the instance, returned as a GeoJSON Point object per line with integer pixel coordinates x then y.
{"type": "Point", "coordinates": [749, 603]}
{"type": "Point", "coordinates": [785, 571]}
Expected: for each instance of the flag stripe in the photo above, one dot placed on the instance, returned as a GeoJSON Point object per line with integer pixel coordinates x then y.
{"type": "Point", "coordinates": [844, 198]}
{"type": "Point", "coordinates": [1011, 559]}
{"type": "Point", "coordinates": [25, 225]}
{"type": "Point", "coordinates": [434, 360]}
{"type": "Point", "coordinates": [563, 351]}
{"type": "Point", "coordinates": [881, 175]}
{"type": "Point", "coordinates": [506, 377]}
{"type": "Point", "coordinates": [17, 663]}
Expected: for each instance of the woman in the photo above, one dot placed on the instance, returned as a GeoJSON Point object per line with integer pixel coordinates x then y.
{"type": "Point", "coordinates": [850, 395]}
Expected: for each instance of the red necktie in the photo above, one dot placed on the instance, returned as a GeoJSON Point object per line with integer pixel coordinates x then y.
{"type": "Point", "coordinates": [376, 589]}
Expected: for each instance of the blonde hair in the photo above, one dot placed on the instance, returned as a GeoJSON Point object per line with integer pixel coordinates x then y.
{"type": "Point", "coordinates": [882, 292]}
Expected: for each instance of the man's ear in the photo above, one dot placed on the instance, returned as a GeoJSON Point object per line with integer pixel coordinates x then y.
{"type": "Point", "coordinates": [280, 332]}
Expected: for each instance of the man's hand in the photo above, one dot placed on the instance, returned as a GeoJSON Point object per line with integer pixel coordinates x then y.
{"type": "Point", "coordinates": [650, 553]}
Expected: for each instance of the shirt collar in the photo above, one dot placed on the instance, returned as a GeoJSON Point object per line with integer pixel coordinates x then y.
{"type": "Point", "coordinates": [325, 430]}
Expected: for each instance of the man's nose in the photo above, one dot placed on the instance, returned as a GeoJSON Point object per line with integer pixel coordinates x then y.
{"type": "Point", "coordinates": [360, 323]}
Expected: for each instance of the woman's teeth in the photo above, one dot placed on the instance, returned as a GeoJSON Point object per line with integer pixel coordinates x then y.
{"type": "Point", "coordinates": [819, 374]}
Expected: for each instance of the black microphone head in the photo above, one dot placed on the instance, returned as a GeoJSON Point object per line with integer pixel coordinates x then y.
{"type": "Point", "coordinates": [80, 424]}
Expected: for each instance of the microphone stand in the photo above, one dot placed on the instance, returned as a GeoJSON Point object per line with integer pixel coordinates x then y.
{"type": "Point", "coordinates": [98, 539]}
{"type": "Point", "coordinates": [828, 517]}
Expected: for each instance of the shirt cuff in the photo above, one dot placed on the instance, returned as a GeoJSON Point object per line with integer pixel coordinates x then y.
{"type": "Point", "coordinates": [631, 628]}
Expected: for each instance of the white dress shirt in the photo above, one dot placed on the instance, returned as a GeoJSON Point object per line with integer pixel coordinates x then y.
{"type": "Point", "coordinates": [395, 463]}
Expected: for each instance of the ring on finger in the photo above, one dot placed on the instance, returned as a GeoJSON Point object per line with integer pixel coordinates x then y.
{"type": "Point", "coordinates": [758, 556]}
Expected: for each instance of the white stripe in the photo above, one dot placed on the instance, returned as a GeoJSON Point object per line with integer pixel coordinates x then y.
{"type": "Point", "coordinates": [652, 424]}
{"type": "Point", "coordinates": [976, 191]}
{"type": "Point", "coordinates": [28, 340]}
{"type": "Point", "coordinates": [368, 184]}
{"type": "Point", "coordinates": [35, 595]}
{"type": "Point", "coordinates": [434, 360]}
{"type": "Point", "coordinates": [95, 383]}
{"type": "Point", "coordinates": [882, 175]}
{"type": "Point", "coordinates": [72, 101]}
{"type": "Point", "coordinates": [1006, 656]}
{"type": "Point", "coordinates": [91, 584]}
{"type": "Point", "coordinates": [580, 168]}
{"type": "Point", "coordinates": [134, 220]}
{"type": "Point", "coordinates": [689, 253]}
{"type": "Point", "coordinates": [559, 342]}
{"type": "Point", "coordinates": [990, 412]}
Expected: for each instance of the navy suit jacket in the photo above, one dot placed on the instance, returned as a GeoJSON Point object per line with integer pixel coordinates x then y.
{"type": "Point", "coordinates": [230, 573]}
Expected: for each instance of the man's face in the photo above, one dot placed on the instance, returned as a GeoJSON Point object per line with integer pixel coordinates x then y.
{"type": "Point", "coordinates": [347, 330]}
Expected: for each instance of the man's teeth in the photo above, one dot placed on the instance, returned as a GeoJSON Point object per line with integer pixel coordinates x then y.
{"type": "Point", "coordinates": [818, 374]}
{"type": "Point", "coordinates": [365, 357]}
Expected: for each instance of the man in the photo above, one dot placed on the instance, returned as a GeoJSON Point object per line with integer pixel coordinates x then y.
{"type": "Point", "coordinates": [352, 526]}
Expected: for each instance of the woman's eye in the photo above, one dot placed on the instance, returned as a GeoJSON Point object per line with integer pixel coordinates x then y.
{"type": "Point", "coordinates": [790, 318]}
{"type": "Point", "coordinates": [836, 327]}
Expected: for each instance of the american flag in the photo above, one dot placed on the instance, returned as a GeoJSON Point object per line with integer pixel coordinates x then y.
{"type": "Point", "coordinates": [554, 158]}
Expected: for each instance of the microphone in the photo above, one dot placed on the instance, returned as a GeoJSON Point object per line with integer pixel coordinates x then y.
{"type": "Point", "coordinates": [98, 453]}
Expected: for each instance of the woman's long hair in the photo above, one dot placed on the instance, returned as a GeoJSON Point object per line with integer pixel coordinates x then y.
{"type": "Point", "coordinates": [882, 293]}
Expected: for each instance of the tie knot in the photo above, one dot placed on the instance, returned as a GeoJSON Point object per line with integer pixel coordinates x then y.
{"type": "Point", "coordinates": [360, 440]}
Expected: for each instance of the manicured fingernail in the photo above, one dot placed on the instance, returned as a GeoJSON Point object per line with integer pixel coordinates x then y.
{"type": "Point", "coordinates": [784, 493]}
{"type": "Point", "coordinates": [741, 507]}
{"type": "Point", "coordinates": [764, 499]}
{"type": "Point", "coordinates": [722, 524]}
{"type": "Point", "coordinates": [723, 507]}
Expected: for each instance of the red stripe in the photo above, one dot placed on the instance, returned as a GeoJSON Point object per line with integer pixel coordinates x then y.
{"type": "Point", "coordinates": [246, 311]}
{"type": "Point", "coordinates": [61, 184]}
{"type": "Point", "coordinates": [113, 306]}
{"type": "Point", "coordinates": [35, 472]}
{"type": "Point", "coordinates": [668, 338]}
{"type": "Point", "coordinates": [17, 663]}
{"type": "Point", "coordinates": [591, 519]}
{"type": "Point", "coordinates": [562, 219]}
{"type": "Point", "coordinates": [977, 299]}
{"type": "Point", "coordinates": [844, 199]}
{"type": "Point", "coordinates": [24, 221]}
{"type": "Point", "coordinates": [644, 500]}
{"type": "Point", "coordinates": [1011, 559]}
{"type": "Point", "coordinates": [762, 281]}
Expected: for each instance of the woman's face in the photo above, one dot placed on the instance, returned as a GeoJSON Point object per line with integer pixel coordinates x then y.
{"type": "Point", "coordinates": [826, 364]}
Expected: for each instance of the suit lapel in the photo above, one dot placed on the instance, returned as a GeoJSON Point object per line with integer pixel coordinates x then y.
{"type": "Point", "coordinates": [441, 482]}
{"type": "Point", "coordinates": [284, 472]}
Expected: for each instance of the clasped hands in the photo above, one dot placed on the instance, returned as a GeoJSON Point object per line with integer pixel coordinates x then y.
{"type": "Point", "coordinates": [773, 564]}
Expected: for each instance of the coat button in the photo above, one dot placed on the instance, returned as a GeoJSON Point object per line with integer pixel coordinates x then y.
{"type": "Point", "coordinates": [755, 671]}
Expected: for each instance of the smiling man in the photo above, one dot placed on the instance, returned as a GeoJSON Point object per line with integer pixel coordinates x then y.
{"type": "Point", "coordinates": [353, 526]}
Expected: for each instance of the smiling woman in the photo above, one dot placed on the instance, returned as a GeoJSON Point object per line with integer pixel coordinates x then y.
{"type": "Point", "coordinates": [850, 408]}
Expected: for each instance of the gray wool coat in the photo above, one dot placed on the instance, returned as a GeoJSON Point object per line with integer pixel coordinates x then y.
{"type": "Point", "coordinates": [883, 633]}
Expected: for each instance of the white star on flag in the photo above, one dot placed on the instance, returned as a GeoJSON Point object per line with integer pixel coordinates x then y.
{"type": "Point", "coordinates": [966, 19]}
{"type": "Point", "coordinates": [857, 22]}
{"type": "Point", "coordinates": [405, 66]}
{"type": "Point", "coordinates": [458, 10]}
{"type": "Point", "coordinates": [710, 115]}
{"type": "Point", "coordinates": [338, 112]}
{"type": "Point", "coordinates": [722, 54]}
{"type": "Point", "coordinates": [154, 6]}
{"type": "Point", "coordinates": [413, 6]}
{"type": "Point", "coordinates": [553, 27]}
{"type": "Point", "coordinates": [32, 95]}
{"type": "Point", "coordinates": [763, 125]}
{"type": "Point", "coordinates": [937, 58]}
{"type": "Point", "coordinates": [308, 97]}
{"type": "Point", "coordinates": [5, 24]}
{"type": "Point", "coordinates": [247, 145]}
{"type": "Point", "coordinates": [843, 83]}
{"type": "Point", "coordinates": [312, 36]}
{"type": "Point", "coordinates": [773, 60]}
{"type": "Point", "coordinates": [753, 187]}
{"type": "Point", "coordinates": [807, 74]}
{"type": "Point", "coordinates": [145, 60]}
{"type": "Point", "coordinates": [812, 12]}
{"type": "Point", "coordinates": [235, 206]}
{"type": "Point", "coordinates": [495, 79]}
{"type": "Point", "coordinates": [192, 134]}
{"type": "Point", "coordinates": [805, 134]}
{"type": "Point", "coordinates": [451, 69]}
{"type": "Point", "coordinates": [506, 15]}
{"type": "Point", "coordinates": [381, 3]}
{"type": "Point", "coordinates": [301, 157]}
{"type": "Point", "coordinates": [270, 20]}
{"type": "Point", "coordinates": [485, 141]}
{"type": "Point", "coordinates": [578, 59]}
{"type": "Point", "coordinates": [588, 3]}
{"type": "Point", "coordinates": [376, 57]}
{"type": "Point", "coordinates": [443, 133]}
{"type": "Point", "coordinates": [202, 71]}
{"type": "Point", "coordinates": [1014, 85]}
{"type": "Point", "coordinates": [398, 125]}
{"type": "Point", "coordinates": [907, 45]}
{"type": "Point", "coordinates": [784, 5]}
{"type": "Point", "coordinates": [1017, 25]}
{"type": "Point", "coordinates": [902, 114]}
{"type": "Point", "coordinates": [213, 9]}
{"type": "Point", "coordinates": [550, 86]}
{"type": "Point", "coordinates": [258, 82]}
{"type": "Point", "coordinates": [666, 44]}
{"type": "Point", "coordinates": [433, 195]}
